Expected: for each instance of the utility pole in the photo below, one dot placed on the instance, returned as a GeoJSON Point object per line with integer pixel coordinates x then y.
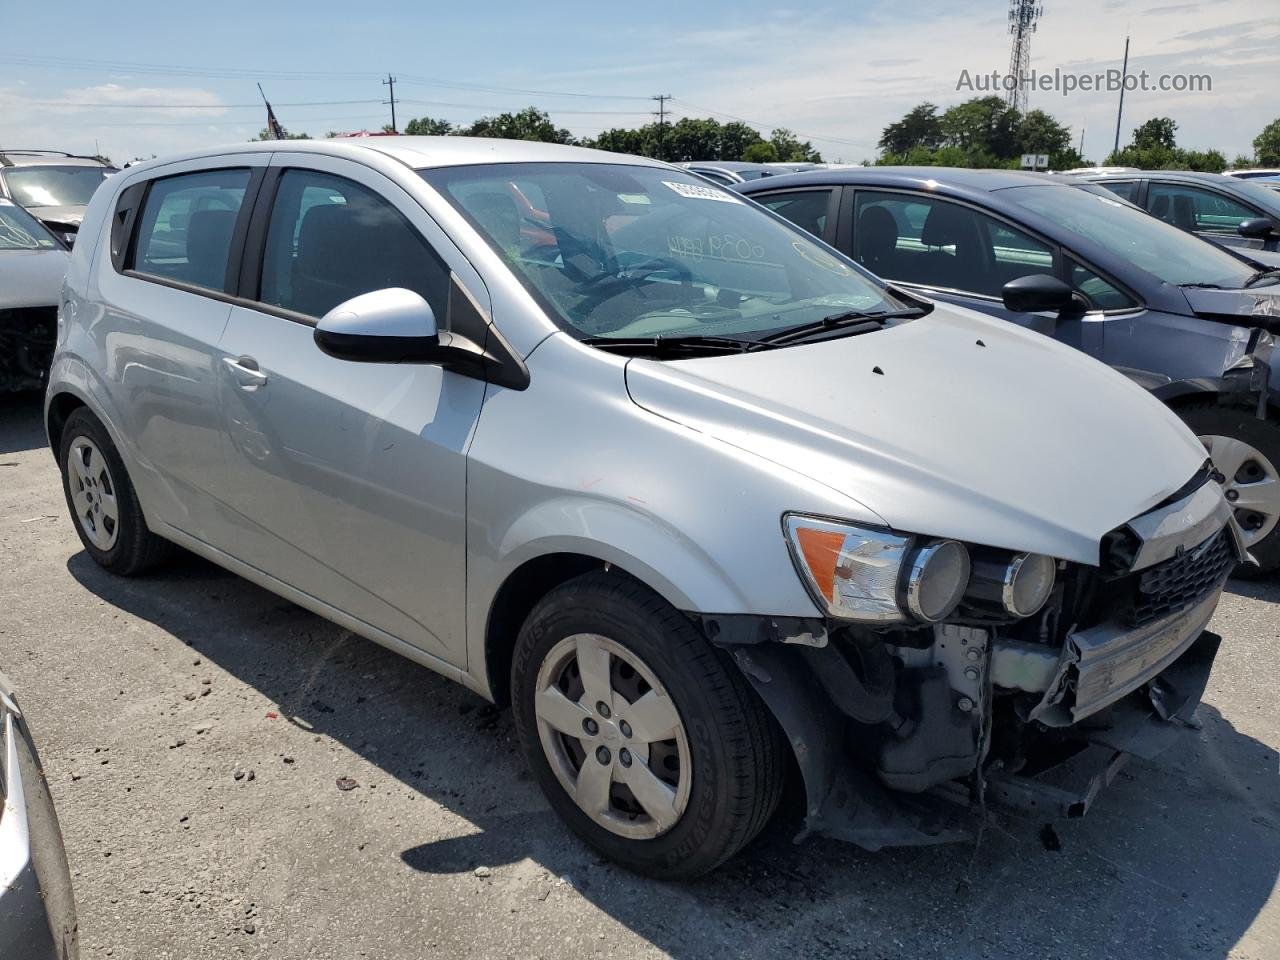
{"type": "Point", "coordinates": [661, 114]}
{"type": "Point", "coordinates": [391, 83]}
{"type": "Point", "coordinates": [1124, 76]}
{"type": "Point", "coordinates": [1080, 149]}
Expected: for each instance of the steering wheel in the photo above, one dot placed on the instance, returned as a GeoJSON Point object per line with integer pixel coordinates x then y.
{"type": "Point", "coordinates": [615, 284]}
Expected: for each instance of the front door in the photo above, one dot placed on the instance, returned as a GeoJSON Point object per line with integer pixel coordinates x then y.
{"type": "Point", "coordinates": [347, 480]}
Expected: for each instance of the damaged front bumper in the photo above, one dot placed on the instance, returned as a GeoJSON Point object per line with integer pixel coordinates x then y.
{"type": "Point", "coordinates": [900, 734]}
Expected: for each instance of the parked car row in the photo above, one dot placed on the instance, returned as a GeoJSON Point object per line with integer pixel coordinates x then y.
{"type": "Point", "coordinates": [694, 489]}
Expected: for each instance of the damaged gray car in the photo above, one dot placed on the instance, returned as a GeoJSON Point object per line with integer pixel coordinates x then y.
{"type": "Point", "coordinates": [32, 263]}
{"type": "Point", "coordinates": [701, 499]}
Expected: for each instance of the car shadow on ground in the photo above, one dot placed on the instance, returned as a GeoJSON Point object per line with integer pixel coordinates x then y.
{"type": "Point", "coordinates": [21, 425]}
{"type": "Point", "coordinates": [1176, 858]}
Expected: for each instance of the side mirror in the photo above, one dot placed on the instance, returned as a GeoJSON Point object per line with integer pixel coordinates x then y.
{"type": "Point", "coordinates": [1038, 293]}
{"type": "Point", "coordinates": [1259, 228]}
{"type": "Point", "coordinates": [386, 326]}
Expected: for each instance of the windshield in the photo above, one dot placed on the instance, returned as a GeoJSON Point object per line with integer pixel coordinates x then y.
{"type": "Point", "coordinates": [1164, 251]}
{"type": "Point", "coordinates": [21, 231]}
{"type": "Point", "coordinates": [50, 186]}
{"type": "Point", "coordinates": [631, 251]}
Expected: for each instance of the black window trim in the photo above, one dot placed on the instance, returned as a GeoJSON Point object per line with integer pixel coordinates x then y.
{"type": "Point", "coordinates": [126, 258]}
{"type": "Point", "coordinates": [1060, 253]}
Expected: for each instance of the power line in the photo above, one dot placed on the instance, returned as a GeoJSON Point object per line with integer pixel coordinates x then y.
{"type": "Point", "coordinates": [185, 106]}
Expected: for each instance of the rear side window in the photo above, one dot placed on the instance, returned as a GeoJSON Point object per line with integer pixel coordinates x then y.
{"type": "Point", "coordinates": [1126, 189]}
{"type": "Point", "coordinates": [807, 209]}
{"type": "Point", "coordinates": [331, 239]}
{"type": "Point", "coordinates": [187, 223]}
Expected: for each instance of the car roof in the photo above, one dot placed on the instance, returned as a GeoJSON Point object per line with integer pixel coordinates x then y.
{"type": "Point", "coordinates": [46, 158]}
{"type": "Point", "coordinates": [1188, 176]}
{"type": "Point", "coordinates": [959, 177]}
{"type": "Point", "coordinates": [733, 166]}
{"type": "Point", "coordinates": [421, 152]}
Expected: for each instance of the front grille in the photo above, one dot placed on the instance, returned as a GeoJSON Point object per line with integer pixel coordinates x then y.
{"type": "Point", "coordinates": [1183, 581]}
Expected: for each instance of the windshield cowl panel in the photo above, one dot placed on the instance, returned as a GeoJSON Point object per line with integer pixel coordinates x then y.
{"type": "Point", "coordinates": [639, 253]}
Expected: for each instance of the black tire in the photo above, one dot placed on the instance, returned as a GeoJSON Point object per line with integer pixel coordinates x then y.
{"type": "Point", "coordinates": [136, 548]}
{"type": "Point", "coordinates": [738, 760]}
{"type": "Point", "coordinates": [1242, 423]}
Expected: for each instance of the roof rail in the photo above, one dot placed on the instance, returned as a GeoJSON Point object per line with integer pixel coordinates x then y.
{"type": "Point", "coordinates": [27, 152]}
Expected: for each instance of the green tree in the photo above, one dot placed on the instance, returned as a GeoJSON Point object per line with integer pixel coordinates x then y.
{"type": "Point", "coordinates": [792, 150]}
{"type": "Point", "coordinates": [428, 127]}
{"type": "Point", "coordinates": [1156, 132]}
{"type": "Point", "coordinates": [529, 124]}
{"type": "Point", "coordinates": [984, 127]}
{"type": "Point", "coordinates": [640, 142]}
{"type": "Point", "coordinates": [762, 151]}
{"type": "Point", "coordinates": [265, 134]}
{"type": "Point", "coordinates": [735, 138]}
{"type": "Point", "coordinates": [921, 127]}
{"type": "Point", "coordinates": [1266, 145]}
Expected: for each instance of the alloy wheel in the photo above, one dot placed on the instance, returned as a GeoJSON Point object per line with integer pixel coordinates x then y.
{"type": "Point", "coordinates": [1251, 485]}
{"type": "Point", "coordinates": [93, 493]}
{"type": "Point", "coordinates": [613, 736]}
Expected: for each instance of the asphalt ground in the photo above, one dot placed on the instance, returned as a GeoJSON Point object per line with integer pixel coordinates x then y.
{"type": "Point", "coordinates": [194, 729]}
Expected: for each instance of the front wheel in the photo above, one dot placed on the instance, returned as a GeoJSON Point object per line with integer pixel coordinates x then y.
{"type": "Point", "coordinates": [1246, 451]}
{"type": "Point", "coordinates": [647, 743]}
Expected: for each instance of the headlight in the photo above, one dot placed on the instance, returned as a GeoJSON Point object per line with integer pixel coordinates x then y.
{"type": "Point", "coordinates": [874, 576]}
{"type": "Point", "coordinates": [1019, 584]}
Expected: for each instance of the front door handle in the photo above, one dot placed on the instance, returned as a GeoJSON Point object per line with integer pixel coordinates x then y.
{"type": "Point", "coordinates": [246, 372]}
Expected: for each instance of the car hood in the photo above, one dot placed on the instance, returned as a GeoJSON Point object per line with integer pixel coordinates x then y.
{"type": "Point", "coordinates": [953, 425]}
{"type": "Point", "coordinates": [1255, 306]}
{"type": "Point", "coordinates": [68, 216]}
{"type": "Point", "coordinates": [31, 278]}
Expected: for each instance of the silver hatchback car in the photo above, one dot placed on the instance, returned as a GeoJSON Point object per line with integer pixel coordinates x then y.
{"type": "Point", "coordinates": [704, 501]}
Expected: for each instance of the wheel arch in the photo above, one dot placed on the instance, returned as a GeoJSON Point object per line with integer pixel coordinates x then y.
{"type": "Point", "coordinates": [58, 409]}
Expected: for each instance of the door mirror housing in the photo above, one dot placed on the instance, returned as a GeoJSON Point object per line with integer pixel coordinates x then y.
{"type": "Point", "coordinates": [1259, 228]}
{"type": "Point", "coordinates": [396, 325]}
{"type": "Point", "coordinates": [386, 326]}
{"type": "Point", "coordinates": [1038, 293]}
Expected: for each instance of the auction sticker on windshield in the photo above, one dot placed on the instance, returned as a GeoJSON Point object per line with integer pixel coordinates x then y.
{"type": "Point", "coordinates": [696, 192]}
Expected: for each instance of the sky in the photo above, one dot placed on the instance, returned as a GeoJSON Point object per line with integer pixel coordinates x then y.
{"type": "Point", "coordinates": [133, 79]}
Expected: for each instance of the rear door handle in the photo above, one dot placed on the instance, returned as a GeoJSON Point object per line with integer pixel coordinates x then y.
{"type": "Point", "coordinates": [246, 372]}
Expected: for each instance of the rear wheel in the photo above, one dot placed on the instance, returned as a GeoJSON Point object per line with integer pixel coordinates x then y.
{"type": "Point", "coordinates": [1246, 451]}
{"type": "Point", "coordinates": [645, 740]}
{"type": "Point", "coordinates": [102, 501]}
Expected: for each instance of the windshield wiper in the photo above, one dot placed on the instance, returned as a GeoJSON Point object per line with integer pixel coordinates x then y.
{"type": "Point", "coordinates": [1202, 286]}
{"type": "Point", "coordinates": [667, 346]}
{"type": "Point", "coordinates": [853, 322]}
{"type": "Point", "coordinates": [1272, 273]}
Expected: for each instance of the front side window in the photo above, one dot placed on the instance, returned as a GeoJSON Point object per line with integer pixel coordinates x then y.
{"type": "Point", "coordinates": [54, 186]}
{"type": "Point", "coordinates": [622, 251]}
{"type": "Point", "coordinates": [807, 209]}
{"type": "Point", "coordinates": [331, 239]}
{"type": "Point", "coordinates": [1098, 292]}
{"type": "Point", "coordinates": [1132, 236]}
{"type": "Point", "coordinates": [1190, 208]}
{"type": "Point", "coordinates": [185, 230]}
{"type": "Point", "coordinates": [936, 243]}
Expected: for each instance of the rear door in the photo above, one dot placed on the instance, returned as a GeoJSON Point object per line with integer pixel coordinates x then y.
{"type": "Point", "coordinates": [345, 480]}
{"type": "Point", "coordinates": [164, 288]}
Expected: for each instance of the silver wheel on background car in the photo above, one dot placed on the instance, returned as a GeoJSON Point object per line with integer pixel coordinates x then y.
{"type": "Point", "coordinates": [613, 736]}
{"type": "Point", "coordinates": [93, 493]}
{"type": "Point", "coordinates": [1251, 485]}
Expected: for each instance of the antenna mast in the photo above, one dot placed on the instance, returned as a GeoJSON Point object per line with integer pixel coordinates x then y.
{"type": "Point", "coordinates": [1023, 15]}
